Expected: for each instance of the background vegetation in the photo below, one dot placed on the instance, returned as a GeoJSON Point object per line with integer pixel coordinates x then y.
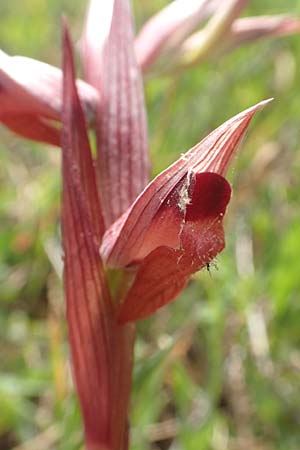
{"type": "Point", "coordinates": [219, 369]}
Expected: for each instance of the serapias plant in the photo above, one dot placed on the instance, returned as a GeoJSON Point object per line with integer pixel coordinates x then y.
{"type": "Point", "coordinates": [171, 229]}
{"type": "Point", "coordinates": [130, 245]}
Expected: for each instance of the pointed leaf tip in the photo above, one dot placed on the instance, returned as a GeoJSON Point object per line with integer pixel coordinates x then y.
{"type": "Point", "coordinates": [76, 146]}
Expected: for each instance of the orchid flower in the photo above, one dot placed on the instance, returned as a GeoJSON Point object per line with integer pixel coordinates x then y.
{"type": "Point", "coordinates": [153, 234]}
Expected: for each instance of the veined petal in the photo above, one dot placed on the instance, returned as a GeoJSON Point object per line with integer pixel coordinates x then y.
{"type": "Point", "coordinates": [167, 29]}
{"type": "Point", "coordinates": [123, 243]}
{"type": "Point", "coordinates": [32, 87]}
{"type": "Point", "coordinates": [165, 271]}
{"type": "Point", "coordinates": [122, 145]}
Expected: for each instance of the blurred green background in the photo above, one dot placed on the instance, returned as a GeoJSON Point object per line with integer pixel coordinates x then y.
{"type": "Point", "coordinates": [219, 369]}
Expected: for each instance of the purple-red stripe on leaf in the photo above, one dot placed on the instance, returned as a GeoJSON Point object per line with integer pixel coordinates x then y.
{"type": "Point", "coordinates": [122, 145]}
{"type": "Point", "coordinates": [124, 243]}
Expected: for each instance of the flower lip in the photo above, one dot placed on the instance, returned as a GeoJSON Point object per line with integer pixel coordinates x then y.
{"type": "Point", "coordinates": [207, 202]}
